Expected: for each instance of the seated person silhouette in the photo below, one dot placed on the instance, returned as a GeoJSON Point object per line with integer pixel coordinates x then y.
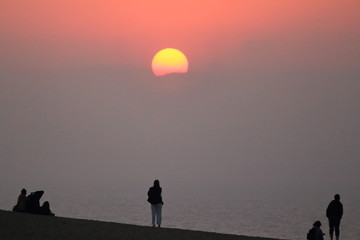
{"type": "Point", "coordinates": [21, 202]}
{"type": "Point", "coordinates": [31, 204]}
{"type": "Point", "coordinates": [45, 209]}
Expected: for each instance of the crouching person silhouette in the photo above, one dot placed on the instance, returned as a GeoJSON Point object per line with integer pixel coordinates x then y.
{"type": "Point", "coordinates": [315, 233]}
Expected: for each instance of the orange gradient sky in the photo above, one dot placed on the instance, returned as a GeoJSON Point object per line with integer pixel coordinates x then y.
{"type": "Point", "coordinates": [62, 33]}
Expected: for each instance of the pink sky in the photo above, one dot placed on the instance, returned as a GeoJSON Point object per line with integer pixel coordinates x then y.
{"type": "Point", "coordinates": [43, 33]}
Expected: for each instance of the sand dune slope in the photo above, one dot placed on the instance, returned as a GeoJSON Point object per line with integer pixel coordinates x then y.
{"type": "Point", "coordinates": [30, 227]}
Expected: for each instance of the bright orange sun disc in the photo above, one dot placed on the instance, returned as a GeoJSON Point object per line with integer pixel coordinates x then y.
{"type": "Point", "coordinates": [169, 60]}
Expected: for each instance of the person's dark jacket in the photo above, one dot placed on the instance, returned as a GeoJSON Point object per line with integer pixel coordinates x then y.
{"type": "Point", "coordinates": [154, 195]}
{"type": "Point", "coordinates": [334, 210]}
{"type": "Point", "coordinates": [33, 202]}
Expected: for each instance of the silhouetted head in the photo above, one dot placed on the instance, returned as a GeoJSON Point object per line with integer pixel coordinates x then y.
{"type": "Point", "coordinates": [156, 183]}
{"type": "Point", "coordinates": [337, 197]}
{"type": "Point", "coordinates": [317, 224]}
{"type": "Point", "coordinates": [23, 191]}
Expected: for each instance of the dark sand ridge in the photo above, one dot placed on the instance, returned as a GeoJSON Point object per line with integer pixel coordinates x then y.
{"type": "Point", "coordinates": [28, 226]}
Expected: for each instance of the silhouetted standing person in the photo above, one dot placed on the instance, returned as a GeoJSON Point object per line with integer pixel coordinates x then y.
{"type": "Point", "coordinates": [334, 213]}
{"type": "Point", "coordinates": [155, 199]}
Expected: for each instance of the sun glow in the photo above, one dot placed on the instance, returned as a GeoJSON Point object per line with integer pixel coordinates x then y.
{"type": "Point", "coordinates": [169, 60]}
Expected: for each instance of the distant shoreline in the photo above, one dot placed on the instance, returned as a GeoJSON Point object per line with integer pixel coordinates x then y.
{"type": "Point", "coordinates": [39, 227]}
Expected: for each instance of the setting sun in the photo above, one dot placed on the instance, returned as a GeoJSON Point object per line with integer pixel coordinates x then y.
{"type": "Point", "coordinates": [169, 60]}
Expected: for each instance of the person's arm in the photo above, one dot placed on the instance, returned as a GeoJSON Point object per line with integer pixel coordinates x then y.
{"type": "Point", "coordinates": [19, 199]}
{"type": "Point", "coordinates": [328, 211]}
{"type": "Point", "coordinates": [341, 210]}
{"type": "Point", "coordinates": [161, 196]}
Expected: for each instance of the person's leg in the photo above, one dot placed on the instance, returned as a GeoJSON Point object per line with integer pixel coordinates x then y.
{"type": "Point", "coordinates": [159, 214]}
{"type": "Point", "coordinates": [331, 229]}
{"type": "Point", "coordinates": [337, 228]}
{"type": "Point", "coordinates": [153, 213]}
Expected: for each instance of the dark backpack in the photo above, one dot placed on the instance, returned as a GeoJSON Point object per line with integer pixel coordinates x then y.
{"type": "Point", "coordinates": [311, 235]}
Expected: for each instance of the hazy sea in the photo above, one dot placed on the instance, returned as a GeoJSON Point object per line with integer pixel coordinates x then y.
{"type": "Point", "coordinates": [283, 214]}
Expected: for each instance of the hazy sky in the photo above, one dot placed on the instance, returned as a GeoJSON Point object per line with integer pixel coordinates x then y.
{"type": "Point", "coordinates": [271, 98]}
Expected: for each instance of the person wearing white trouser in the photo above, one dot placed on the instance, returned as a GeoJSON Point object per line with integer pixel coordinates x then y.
{"type": "Point", "coordinates": [154, 197]}
{"type": "Point", "coordinates": [156, 214]}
